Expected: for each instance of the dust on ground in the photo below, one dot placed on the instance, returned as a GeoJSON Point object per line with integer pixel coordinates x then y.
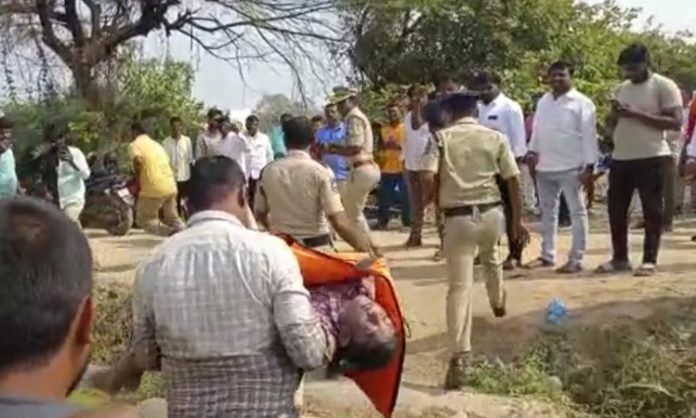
{"type": "Point", "coordinates": [421, 283]}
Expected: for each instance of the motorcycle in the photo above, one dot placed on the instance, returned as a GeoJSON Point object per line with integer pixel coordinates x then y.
{"type": "Point", "coordinates": [109, 203]}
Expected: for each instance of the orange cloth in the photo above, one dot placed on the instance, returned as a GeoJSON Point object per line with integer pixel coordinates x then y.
{"type": "Point", "coordinates": [381, 386]}
{"type": "Point", "coordinates": [392, 162]}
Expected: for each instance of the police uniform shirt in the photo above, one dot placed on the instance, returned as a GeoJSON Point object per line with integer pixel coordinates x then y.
{"type": "Point", "coordinates": [299, 193]}
{"type": "Point", "coordinates": [359, 133]}
{"type": "Point", "coordinates": [470, 156]}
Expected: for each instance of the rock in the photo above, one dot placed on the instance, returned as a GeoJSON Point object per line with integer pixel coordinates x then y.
{"type": "Point", "coordinates": [153, 408]}
{"type": "Point", "coordinates": [555, 383]}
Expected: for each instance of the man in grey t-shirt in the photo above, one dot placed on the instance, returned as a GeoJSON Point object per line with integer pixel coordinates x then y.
{"type": "Point", "coordinates": [46, 310]}
{"type": "Point", "coordinates": [645, 107]}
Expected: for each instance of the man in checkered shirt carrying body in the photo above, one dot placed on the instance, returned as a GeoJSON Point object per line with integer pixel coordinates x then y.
{"type": "Point", "coordinates": [224, 310]}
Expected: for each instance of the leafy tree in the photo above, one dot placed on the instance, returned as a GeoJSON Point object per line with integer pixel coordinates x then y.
{"type": "Point", "coordinates": [86, 35]}
{"type": "Point", "coordinates": [408, 41]}
{"type": "Point", "coordinates": [151, 90]}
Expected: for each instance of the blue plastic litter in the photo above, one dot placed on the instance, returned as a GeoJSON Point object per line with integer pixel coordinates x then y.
{"type": "Point", "coordinates": [556, 312]}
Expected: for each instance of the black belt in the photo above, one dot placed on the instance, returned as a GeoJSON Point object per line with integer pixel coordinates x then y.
{"type": "Point", "coordinates": [468, 210]}
{"type": "Point", "coordinates": [318, 241]}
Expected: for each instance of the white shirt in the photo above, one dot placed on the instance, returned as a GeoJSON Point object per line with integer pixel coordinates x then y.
{"type": "Point", "coordinates": [207, 143]}
{"type": "Point", "coordinates": [505, 115]}
{"type": "Point", "coordinates": [180, 152]}
{"type": "Point", "coordinates": [415, 143]}
{"type": "Point", "coordinates": [564, 132]}
{"type": "Point", "coordinates": [71, 179]}
{"type": "Point", "coordinates": [252, 153]}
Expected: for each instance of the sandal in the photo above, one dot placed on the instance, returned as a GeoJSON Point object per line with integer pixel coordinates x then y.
{"type": "Point", "coordinates": [613, 267]}
{"type": "Point", "coordinates": [645, 270]}
{"type": "Point", "coordinates": [539, 263]}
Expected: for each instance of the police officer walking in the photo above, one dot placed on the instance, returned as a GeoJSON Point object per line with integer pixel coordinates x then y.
{"type": "Point", "coordinates": [468, 157]}
{"type": "Point", "coordinates": [358, 149]}
{"type": "Point", "coordinates": [298, 196]}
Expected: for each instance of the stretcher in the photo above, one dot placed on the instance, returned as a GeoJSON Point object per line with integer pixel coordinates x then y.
{"type": "Point", "coordinates": [318, 268]}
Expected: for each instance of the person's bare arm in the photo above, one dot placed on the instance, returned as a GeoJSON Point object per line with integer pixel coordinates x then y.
{"type": "Point", "coordinates": [261, 208]}
{"type": "Point", "coordinates": [513, 186]}
{"type": "Point", "coordinates": [305, 340]}
{"type": "Point", "coordinates": [668, 120]}
{"type": "Point", "coordinates": [351, 235]}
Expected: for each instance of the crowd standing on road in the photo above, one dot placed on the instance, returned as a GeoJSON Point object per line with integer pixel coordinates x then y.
{"type": "Point", "coordinates": [220, 307]}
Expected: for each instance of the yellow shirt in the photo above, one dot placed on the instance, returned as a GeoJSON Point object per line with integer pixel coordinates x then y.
{"type": "Point", "coordinates": [392, 161]}
{"type": "Point", "coordinates": [156, 175]}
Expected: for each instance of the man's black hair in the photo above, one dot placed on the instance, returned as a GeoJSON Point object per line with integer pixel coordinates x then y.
{"type": "Point", "coordinates": [329, 105]}
{"type": "Point", "coordinates": [461, 104]}
{"type": "Point", "coordinates": [435, 113]}
{"type": "Point", "coordinates": [212, 179]}
{"type": "Point", "coordinates": [138, 128]}
{"type": "Point", "coordinates": [45, 274]}
{"type": "Point", "coordinates": [252, 118]}
{"type": "Point", "coordinates": [214, 112]}
{"type": "Point", "coordinates": [5, 123]}
{"type": "Point", "coordinates": [55, 130]}
{"type": "Point", "coordinates": [317, 118]}
{"type": "Point", "coordinates": [485, 77]}
{"type": "Point", "coordinates": [285, 117]}
{"type": "Point", "coordinates": [562, 66]}
{"type": "Point", "coordinates": [175, 119]}
{"type": "Point", "coordinates": [634, 54]}
{"type": "Point", "coordinates": [298, 133]}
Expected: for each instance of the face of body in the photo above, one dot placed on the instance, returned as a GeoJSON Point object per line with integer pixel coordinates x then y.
{"type": "Point", "coordinates": [176, 129]}
{"type": "Point", "coordinates": [637, 73]}
{"type": "Point", "coordinates": [364, 323]}
{"type": "Point", "coordinates": [5, 140]}
{"type": "Point", "coordinates": [487, 91]}
{"type": "Point", "coordinates": [393, 115]}
{"type": "Point", "coordinates": [560, 80]}
{"type": "Point", "coordinates": [252, 126]}
{"type": "Point", "coordinates": [345, 106]}
{"type": "Point", "coordinates": [331, 115]}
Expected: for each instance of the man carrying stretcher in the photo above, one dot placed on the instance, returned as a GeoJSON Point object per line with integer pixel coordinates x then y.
{"type": "Point", "coordinates": [221, 310]}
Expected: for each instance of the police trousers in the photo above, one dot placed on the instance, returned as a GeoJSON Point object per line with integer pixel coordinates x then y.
{"type": "Point", "coordinates": [464, 235]}
{"type": "Point", "coordinates": [363, 180]}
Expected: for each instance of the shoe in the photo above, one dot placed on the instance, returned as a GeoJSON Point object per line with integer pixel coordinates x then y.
{"type": "Point", "coordinates": [645, 270]}
{"type": "Point", "coordinates": [438, 256]}
{"type": "Point", "coordinates": [457, 372]}
{"type": "Point", "coordinates": [413, 242]}
{"type": "Point", "coordinates": [569, 268]}
{"type": "Point", "coordinates": [501, 311]}
{"type": "Point", "coordinates": [613, 267]}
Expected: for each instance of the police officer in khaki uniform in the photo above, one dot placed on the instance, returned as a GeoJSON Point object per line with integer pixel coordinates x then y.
{"type": "Point", "coordinates": [298, 196]}
{"type": "Point", "coordinates": [468, 157]}
{"type": "Point", "coordinates": [358, 149]}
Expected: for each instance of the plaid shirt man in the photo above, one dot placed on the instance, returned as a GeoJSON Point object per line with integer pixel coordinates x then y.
{"type": "Point", "coordinates": [225, 309]}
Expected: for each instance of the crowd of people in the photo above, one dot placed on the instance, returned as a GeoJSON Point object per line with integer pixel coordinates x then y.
{"type": "Point", "coordinates": [220, 307]}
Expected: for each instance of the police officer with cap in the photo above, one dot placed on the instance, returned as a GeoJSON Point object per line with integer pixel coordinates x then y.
{"type": "Point", "coordinates": [468, 158]}
{"type": "Point", "coordinates": [358, 149]}
{"type": "Point", "coordinates": [298, 196]}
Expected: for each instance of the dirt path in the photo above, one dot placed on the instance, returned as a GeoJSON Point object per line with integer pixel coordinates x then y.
{"type": "Point", "coordinates": [421, 285]}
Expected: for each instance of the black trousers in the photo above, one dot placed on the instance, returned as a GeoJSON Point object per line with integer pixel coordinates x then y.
{"type": "Point", "coordinates": [515, 246]}
{"type": "Point", "coordinates": [251, 192]}
{"type": "Point", "coordinates": [647, 176]}
{"type": "Point", "coordinates": [182, 188]}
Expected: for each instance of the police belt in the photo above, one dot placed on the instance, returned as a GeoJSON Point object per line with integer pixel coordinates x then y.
{"type": "Point", "coordinates": [468, 210]}
{"type": "Point", "coordinates": [314, 242]}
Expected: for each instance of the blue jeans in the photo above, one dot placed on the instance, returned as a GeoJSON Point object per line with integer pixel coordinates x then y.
{"type": "Point", "coordinates": [393, 191]}
{"type": "Point", "coordinates": [549, 186]}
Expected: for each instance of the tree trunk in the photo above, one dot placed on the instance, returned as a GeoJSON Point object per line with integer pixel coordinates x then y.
{"type": "Point", "coordinates": [87, 86]}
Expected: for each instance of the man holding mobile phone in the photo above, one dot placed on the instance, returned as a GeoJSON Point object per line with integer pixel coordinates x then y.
{"type": "Point", "coordinates": [644, 108]}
